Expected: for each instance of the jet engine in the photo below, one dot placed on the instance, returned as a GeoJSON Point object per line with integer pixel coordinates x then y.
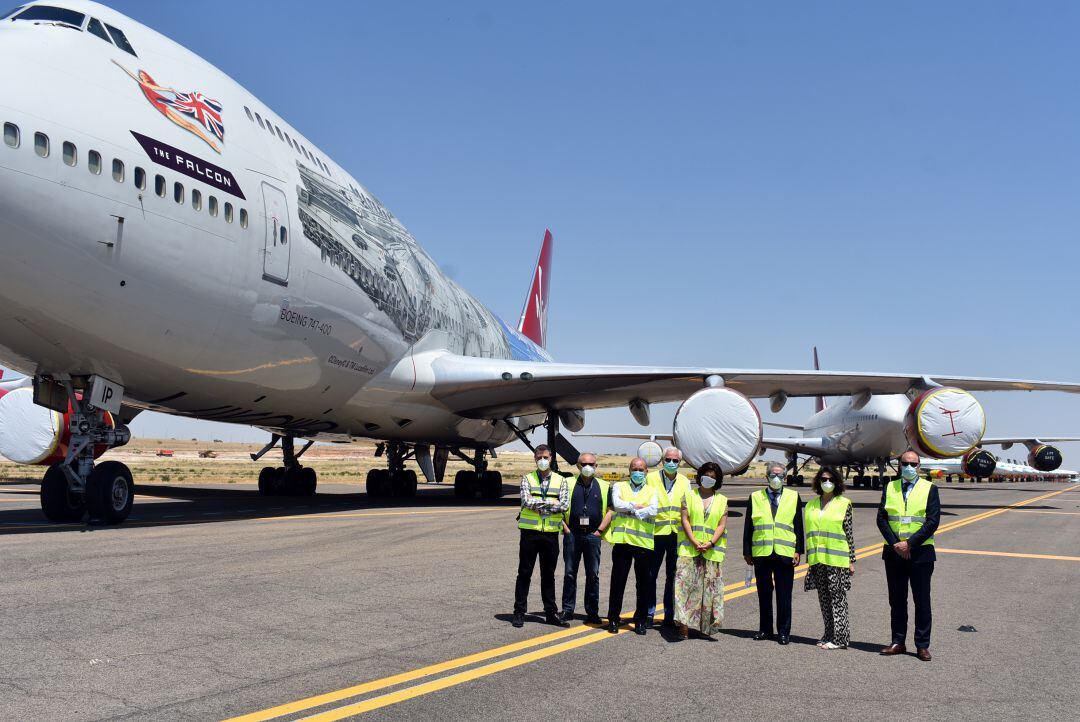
{"type": "Point", "coordinates": [944, 423]}
{"type": "Point", "coordinates": [979, 464]}
{"type": "Point", "coordinates": [720, 425]}
{"type": "Point", "coordinates": [32, 434]}
{"type": "Point", "coordinates": [1044, 457]}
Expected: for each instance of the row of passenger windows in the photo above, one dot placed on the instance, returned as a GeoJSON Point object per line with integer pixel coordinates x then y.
{"type": "Point", "coordinates": [285, 138]}
{"type": "Point", "coordinates": [70, 155]}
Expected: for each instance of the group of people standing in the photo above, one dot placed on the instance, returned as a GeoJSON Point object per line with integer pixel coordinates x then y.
{"type": "Point", "coordinates": [661, 521]}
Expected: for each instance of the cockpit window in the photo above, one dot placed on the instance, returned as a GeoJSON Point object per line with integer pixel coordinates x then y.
{"type": "Point", "coordinates": [95, 27]}
{"type": "Point", "coordinates": [120, 39]}
{"type": "Point", "coordinates": [49, 14]}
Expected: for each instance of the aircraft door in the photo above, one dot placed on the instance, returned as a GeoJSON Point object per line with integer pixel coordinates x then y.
{"type": "Point", "coordinates": [278, 236]}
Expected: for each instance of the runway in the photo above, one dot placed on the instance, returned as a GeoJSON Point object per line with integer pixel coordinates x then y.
{"type": "Point", "coordinates": [215, 603]}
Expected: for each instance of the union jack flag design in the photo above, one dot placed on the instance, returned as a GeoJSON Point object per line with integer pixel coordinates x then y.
{"type": "Point", "coordinates": [203, 110]}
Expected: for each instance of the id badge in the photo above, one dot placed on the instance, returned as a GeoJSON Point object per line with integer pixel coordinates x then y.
{"type": "Point", "coordinates": [905, 520]}
{"type": "Point", "coordinates": [583, 521]}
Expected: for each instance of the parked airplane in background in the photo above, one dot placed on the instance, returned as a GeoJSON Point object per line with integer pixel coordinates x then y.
{"type": "Point", "coordinates": [864, 431]}
{"type": "Point", "coordinates": [1005, 470]}
{"type": "Point", "coordinates": [170, 243]}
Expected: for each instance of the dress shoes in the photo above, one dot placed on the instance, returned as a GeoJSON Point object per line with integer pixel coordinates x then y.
{"type": "Point", "coordinates": [640, 628]}
{"type": "Point", "coordinates": [668, 624]}
{"type": "Point", "coordinates": [593, 619]}
{"type": "Point", "coordinates": [518, 620]}
{"type": "Point", "coordinates": [923, 655]}
{"type": "Point", "coordinates": [613, 627]}
{"type": "Point", "coordinates": [556, 620]}
{"type": "Point", "coordinates": [783, 639]}
{"type": "Point", "coordinates": [762, 635]}
{"type": "Point", "coordinates": [894, 649]}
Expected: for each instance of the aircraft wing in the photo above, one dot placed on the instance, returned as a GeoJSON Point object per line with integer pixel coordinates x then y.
{"type": "Point", "coordinates": [1010, 440]}
{"type": "Point", "coordinates": [777, 424]}
{"type": "Point", "coordinates": [495, 388]}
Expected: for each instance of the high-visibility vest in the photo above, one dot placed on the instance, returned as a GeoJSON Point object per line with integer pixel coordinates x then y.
{"type": "Point", "coordinates": [703, 526]}
{"type": "Point", "coordinates": [530, 519]}
{"type": "Point", "coordinates": [572, 481]}
{"type": "Point", "coordinates": [669, 506]}
{"type": "Point", "coordinates": [905, 518]}
{"type": "Point", "coordinates": [627, 528]}
{"type": "Point", "coordinates": [826, 542]}
{"type": "Point", "coordinates": [773, 534]}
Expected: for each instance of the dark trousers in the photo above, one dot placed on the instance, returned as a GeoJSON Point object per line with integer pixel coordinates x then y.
{"type": "Point", "coordinates": [774, 572]}
{"type": "Point", "coordinates": [575, 546]}
{"type": "Point", "coordinates": [901, 573]}
{"type": "Point", "coordinates": [622, 557]}
{"type": "Point", "coordinates": [533, 544]}
{"type": "Point", "coordinates": [666, 546]}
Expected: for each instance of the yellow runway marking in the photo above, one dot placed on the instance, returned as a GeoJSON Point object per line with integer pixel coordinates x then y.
{"type": "Point", "coordinates": [1045, 511]}
{"type": "Point", "coordinates": [1010, 554]}
{"type": "Point", "coordinates": [485, 670]}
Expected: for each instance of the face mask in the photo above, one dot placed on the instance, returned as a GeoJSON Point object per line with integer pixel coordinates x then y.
{"type": "Point", "coordinates": [910, 473]}
{"type": "Point", "coordinates": [775, 482]}
{"type": "Point", "coordinates": [707, 482]}
{"type": "Point", "coordinates": [543, 464]}
{"type": "Point", "coordinates": [638, 477]}
{"type": "Point", "coordinates": [588, 470]}
{"type": "Point", "coordinates": [671, 466]}
{"type": "Point", "coordinates": [827, 487]}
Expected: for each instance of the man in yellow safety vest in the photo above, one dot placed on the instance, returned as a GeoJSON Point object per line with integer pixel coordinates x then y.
{"type": "Point", "coordinates": [670, 487]}
{"type": "Point", "coordinates": [629, 522]}
{"type": "Point", "coordinates": [544, 496]}
{"type": "Point", "coordinates": [773, 543]}
{"type": "Point", "coordinates": [907, 518]}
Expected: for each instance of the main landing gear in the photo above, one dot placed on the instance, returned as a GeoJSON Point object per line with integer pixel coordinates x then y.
{"type": "Point", "coordinates": [795, 477]}
{"type": "Point", "coordinates": [292, 479]}
{"type": "Point", "coordinates": [479, 482]}
{"type": "Point", "coordinates": [76, 487]}
{"type": "Point", "coordinates": [395, 480]}
{"type": "Point", "coordinates": [862, 480]}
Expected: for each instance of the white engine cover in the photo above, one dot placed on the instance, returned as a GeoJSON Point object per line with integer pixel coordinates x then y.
{"type": "Point", "coordinates": [945, 422]}
{"type": "Point", "coordinates": [718, 425]}
{"type": "Point", "coordinates": [28, 433]}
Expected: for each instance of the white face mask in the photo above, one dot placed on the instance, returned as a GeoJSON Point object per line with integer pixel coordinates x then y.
{"type": "Point", "coordinates": [909, 473]}
{"type": "Point", "coordinates": [588, 470]}
{"type": "Point", "coordinates": [543, 464]}
{"type": "Point", "coordinates": [827, 487]}
{"type": "Point", "coordinates": [707, 482]}
{"type": "Point", "coordinates": [775, 482]}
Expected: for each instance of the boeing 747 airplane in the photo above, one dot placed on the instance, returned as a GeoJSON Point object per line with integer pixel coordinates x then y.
{"type": "Point", "coordinates": [170, 242]}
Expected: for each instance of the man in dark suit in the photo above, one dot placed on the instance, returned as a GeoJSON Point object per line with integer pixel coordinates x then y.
{"type": "Point", "coordinates": [908, 516]}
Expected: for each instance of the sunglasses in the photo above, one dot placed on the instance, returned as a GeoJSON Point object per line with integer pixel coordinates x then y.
{"type": "Point", "coordinates": [912, 464]}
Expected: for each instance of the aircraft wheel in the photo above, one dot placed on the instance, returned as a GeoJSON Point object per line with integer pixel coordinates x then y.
{"type": "Point", "coordinates": [266, 480]}
{"type": "Point", "coordinates": [376, 479]}
{"type": "Point", "coordinates": [491, 487]}
{"type": "Point", "coordinates": [308, 481]}
{"type": "Point", "coordinates": [57, 502]}
{"type": "Point", "coordinates": [110, 492]}
{"type": "Point", "coordinates": [464, 482]}
{"type": "Point", "coordinates": [404, 485]}
{"type": "Point", "coordinates": [790, 480]}
{"type": "Point", "coordinates": [799, 480]}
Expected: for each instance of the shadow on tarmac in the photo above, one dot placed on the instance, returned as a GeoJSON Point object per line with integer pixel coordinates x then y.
{"type": "Point", "coordinates": [183, 505]}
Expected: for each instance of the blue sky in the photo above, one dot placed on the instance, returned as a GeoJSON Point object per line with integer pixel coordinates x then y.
{"type": "Point", "coordinates": [728, 183]}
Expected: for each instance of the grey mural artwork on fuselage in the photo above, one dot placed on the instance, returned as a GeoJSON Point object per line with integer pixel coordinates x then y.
{"type": "Point", "coordinates": [358, 236]}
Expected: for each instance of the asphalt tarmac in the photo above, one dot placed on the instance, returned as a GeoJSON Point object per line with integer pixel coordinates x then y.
{"type": "Point", "coordinates": [213, 602]}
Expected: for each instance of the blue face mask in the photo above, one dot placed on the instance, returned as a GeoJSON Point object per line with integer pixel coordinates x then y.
{"type": "Point", "coordinates": [671, 466]}
{"type": "Point", "coordinates": [909, 473]}
{"type": "Point", "coordinates": [637, 477]}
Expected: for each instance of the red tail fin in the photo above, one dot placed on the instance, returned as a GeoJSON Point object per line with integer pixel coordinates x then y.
{"type": "Point", "coordinates": [819, 402]}
{"type": "Point", "coordinates": [533, 323]}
